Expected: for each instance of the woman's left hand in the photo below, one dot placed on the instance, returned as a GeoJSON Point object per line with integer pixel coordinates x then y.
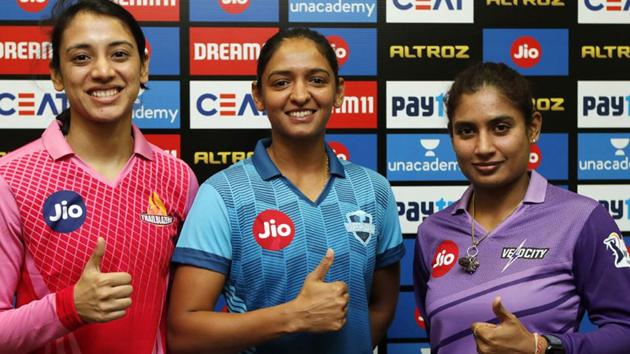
{"type": "Point", "coordinates": [509, 336]}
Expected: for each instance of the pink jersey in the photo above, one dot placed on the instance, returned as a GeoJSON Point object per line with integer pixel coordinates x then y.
{"type": "Point", "coordinates": [53, 207]}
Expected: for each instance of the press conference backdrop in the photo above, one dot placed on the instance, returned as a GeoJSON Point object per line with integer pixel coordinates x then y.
{"type": "Point", "coordinates": [398, 57]}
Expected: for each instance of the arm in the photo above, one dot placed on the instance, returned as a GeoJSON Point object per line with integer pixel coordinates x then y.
{"type": "Point", "coordinates": [602, 285]}
{"type": "Point", "coordinates": [383, 299]}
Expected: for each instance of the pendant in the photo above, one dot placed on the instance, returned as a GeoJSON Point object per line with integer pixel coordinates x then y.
{"type": "Point", "coordinates": [470, 263]}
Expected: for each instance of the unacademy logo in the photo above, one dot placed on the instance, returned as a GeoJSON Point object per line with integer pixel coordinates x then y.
{"type": "Point", "coordinates": [429, 145]}
{"type": "Point", "coordinates": [623, 164]}
{"type": "Point", "coordinates": [433, 165]}
{"type": "Point", "coordinates": [332, 7]}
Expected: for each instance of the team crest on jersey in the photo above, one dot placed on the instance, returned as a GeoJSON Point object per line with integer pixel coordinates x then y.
{"type": "Point", "coordinates": [360, 225]}
{"type": "Point", "coordinates": [615, 243]}
{"type": "Point", "coordinates": [64, 211]}
{"type": "Point", "coordinates": [156, 212]}
{"type": "Point", "coordinates": [522, 252]}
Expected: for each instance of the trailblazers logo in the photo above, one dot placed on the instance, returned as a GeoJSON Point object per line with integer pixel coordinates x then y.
{"type": "Point", "coordinates": [229, 105]}
{"type": "Point", "coordinates": [603, 11]}
{"type": "Point", "coordinates": [529, 51]}
{"type": "Point", "coordinates": [617, 246]}
{"type": "Point", "coordinates": [64, 211]}
{"type": "Point", "coordinates": [603, 156]}
{"type": "Point", "coordinates": [430, 11]}
{"type": "Point", "coordinates": [170, 143]}
{"type": "Point", "coordinates": [416, 104]}
{"type": "Point", "coordinates": [158, 108]}
{"type": "Point", "coordinates": [273, 230]}
{"type": "Point", "coordinates": [421, 157]}
{"type": "Point", "coordinates": [156, 212]}
{"type": "Point", "coordinates": [355, 49]}
{"type": "Point", "coordinates": [25, 50]}
{"type": "Point", "coordinates": [444, 258]}
{"type": "Point", "coordinates": [340, 150]}
{"type": "Point", "coordinates": [234, 10]}
{"type": "Point", "coordinates": [603, 104]}
{"type": "Point", "coordinates": [415, 204]}
{"type": "Point", "coordinates": [29, 104]}
{"type": "Point", "coordinates": [360, 225]}
{"type": "Point", "coordinates": [226, 51]}
{"type": "Point", "coordinates": [512, 254]}
{"type": "Point", "coordinates": [220, 157]}
{"type": "Point", "coordinates": [152, 10]}
{"type": "Point", "coordinates": [332, 11]}
{"type": "Point", "coordinates": [358, 109]}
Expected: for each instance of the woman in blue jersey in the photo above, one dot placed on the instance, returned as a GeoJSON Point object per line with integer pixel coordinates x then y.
{"type": "Point", "coordinates": [304, 247]}
{"type": "Point", "coordinates": [513, 265]}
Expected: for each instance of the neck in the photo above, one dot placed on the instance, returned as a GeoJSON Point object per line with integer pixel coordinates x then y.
{"type": "Point", "coordinates": [493, 205]}
{"type": "Point", "coordinates": [297, 156]}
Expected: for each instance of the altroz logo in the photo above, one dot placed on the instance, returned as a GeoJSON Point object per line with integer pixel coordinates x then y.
{"type": "Point", "coordinates": [358, 109]}
{"type": "Point", "coordinates": [548, 104]}
{"type": "Point", "coordinates": [226, 51]}
{"type": "Point", "coordinates": [430, 11]}
{"type": "Point", "coordinates": [32, 5]}
{"type": "Point", "coordinates": [558, 3]}
{"type": "Point", "coordinates": [430, 51]}
{"type": "Point", "coordinates": [64, 211]}
{"type": "Point", "coordinates": [603, 11]}
{"type": "Point", "coordinates": [220, 157]}
{"type": "Point", "coordinates": [606, 52]}
{"type": "Point", "coordinates": [24, 50]}
{"type": "Point", "coordinates": [152, 10]}
{"type": "Point", "coordinates": [273, 230]}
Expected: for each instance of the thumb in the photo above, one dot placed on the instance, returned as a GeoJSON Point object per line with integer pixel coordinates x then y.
{"type": "Point", "coordinates": [500, 311]}
{"type": "Point", "coordinates": [94, 263]}
{"type": "Point", "coordinates": [320, 272]}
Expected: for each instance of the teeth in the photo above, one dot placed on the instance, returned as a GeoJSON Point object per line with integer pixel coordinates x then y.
{"type": "Point", "coordinates": [104, 93]}
{"type": "Point", "coordinates": [300, 114]}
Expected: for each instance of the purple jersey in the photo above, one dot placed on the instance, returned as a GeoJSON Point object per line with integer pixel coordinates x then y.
{"type": "Point", "coordinates": [556, 256]}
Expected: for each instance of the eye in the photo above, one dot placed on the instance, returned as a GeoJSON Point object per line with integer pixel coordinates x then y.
{"type": "Point", "coordinates": [318, 80]}
{"type": "Point", "coordinates": [120, 55]}
{"type": "Point", "coordinates": [280, 83]}
{"type": "Point", "coordinates": [80, 58]}
{"type": "Point", "coordinates": [464, 131]}
{"type": "Point", "coordinates": [502, 128]}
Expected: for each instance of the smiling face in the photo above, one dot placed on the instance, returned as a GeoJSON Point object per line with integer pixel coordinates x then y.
{"type": "Point", "coordinates": [491, 139]}
{"type": "Point", "coordinates": [298, 90]}
{"type": "Point", "coordinates": [100, 68]}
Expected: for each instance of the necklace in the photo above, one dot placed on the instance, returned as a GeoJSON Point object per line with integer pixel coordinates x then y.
{"type": "Point", "coordinates": [470, 263]}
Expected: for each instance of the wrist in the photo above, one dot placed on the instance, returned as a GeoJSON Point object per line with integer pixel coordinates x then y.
{"type": "Point", "coordinates": [540, 343]}
{"type": "Point", "coordinates": [554, 344]}
{"type": "Point", "coordinates": [292, 319]}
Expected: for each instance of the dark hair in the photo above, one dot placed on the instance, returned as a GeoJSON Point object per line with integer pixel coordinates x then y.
{"type": "Point", "coordinates": [64, 12]}
{"type": "Point", "coordinates": [273, 43]}
{"type": "Point", "coordinates": [506, 80]}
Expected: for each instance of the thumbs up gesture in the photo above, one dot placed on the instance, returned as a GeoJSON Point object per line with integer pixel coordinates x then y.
{"type": "Point", "coordinates": [321, 306]}
{"type": "Point", "coordinates": [101, 297]}
{"type": "Point", "coordinates": [508, 336]}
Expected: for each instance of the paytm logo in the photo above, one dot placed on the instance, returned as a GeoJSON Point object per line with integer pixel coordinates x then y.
{"type": "Point", "coordinates": [29, 104]}
{"type": "Point", "coordinates": [224, 105]}
{"type": "Point", "coordinates": [603, 104]}
{"type": "Point", "coordinates": [416, 104]}
{"type": "Point", "coordinates": [419, 202]}
{"type": "Point", "coordinates": [550, 156]}
{"type": "Point", "coordinates": [615, 198]}
{"type": "Point", "coordinates": [529, 51]}
{"type": "Point", "coordinates": [357, 148]}
{"type": "Point", "coordinates": [164, 50]}
{"type": "Point", "coordinates": [421, 157]}
{"type": "Point", "coordinates": [26, 9]}
{"type": "Point", "coordinates": [25, 50]}
{"type": "Point", "coordinates": [355, 49]}
{"type": "Point", "coordinates": [332, 11]}
{"type": "Point", "coordinates": [158, 107]}
{"type": "Point", "coordinates": [234, 10]}
{"type": "Point", "coordinates": [430, 11]}
{"type": "Point", "coordinates": [358, 109]}
{"type": "Point", "coordinates": [604, 11]}
{"type": "Point", "coordinates": [603, 156]}
{"type": "Point", "coordinates": [226, 50]}
{"type": "Point", "coordinates": [152, 10]}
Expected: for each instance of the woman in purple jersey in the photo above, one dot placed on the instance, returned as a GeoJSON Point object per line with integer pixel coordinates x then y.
{"type": "Point", "coordinates": [513, 238]}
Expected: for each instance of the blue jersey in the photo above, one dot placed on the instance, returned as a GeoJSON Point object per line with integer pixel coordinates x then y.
{"type": "Point", "coordinates": [253, 225]}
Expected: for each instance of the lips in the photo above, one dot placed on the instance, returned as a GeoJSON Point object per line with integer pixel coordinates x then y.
{"type": "Point", "coordinates": [487, 167]}
{"type": "Point", "coordinates": [301, 113]}
{"type": "Point", "coordinates": [104, 93]}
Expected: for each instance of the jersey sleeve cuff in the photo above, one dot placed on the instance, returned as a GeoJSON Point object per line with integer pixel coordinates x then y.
{"type": "Point", "coordinates": [66, 310]}
{"type": "Point", "coordinates": [201, 259]}
{"type": "Point", "coordinates": [391, 256]}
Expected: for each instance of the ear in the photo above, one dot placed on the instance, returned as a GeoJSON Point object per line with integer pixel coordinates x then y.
{"type": "Point", "coordinates": [339, 92]}
{"type": "Point", "coordinates": [257, 94]}
{"type": "Point", "coordinates": [144, 70]}
{"type": "Point", "coordinates": [55, 76]}
{"type": "Point", "coordinates": [534, 127]}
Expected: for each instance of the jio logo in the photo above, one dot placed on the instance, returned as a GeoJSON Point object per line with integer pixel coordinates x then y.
{"type": "Point", "coordinates": [64, 211]}
{"type": "Point", "coordinates": [341, 48]}
{"type": "Point", "coordinates": [535, 157]}
{"type": "Point", "coordinates": [419, 319]}
{"type": "Point", "coordinates": [273, 230]}
{"type": "Point", "coordinates": [340, 150]}
{"type": "Point", "coordinates": [234, 6]}
{"type": "Point", "coordinates": [444, 259]}
{"type": "Point", "coordinates": [526, 52]}
{"type": "Point", "coordinates": [32, 5]}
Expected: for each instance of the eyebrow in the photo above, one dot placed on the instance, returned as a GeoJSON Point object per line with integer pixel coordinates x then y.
{"type": "Point", "coordinates": [85, 45]}
{"type": "Point", "coordinates": [288, 72]}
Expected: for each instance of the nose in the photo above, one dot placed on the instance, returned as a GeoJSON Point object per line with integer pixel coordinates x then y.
{"type": "Point", "coordinates": [300, 94]}
{"type": "Point", "coordinates": [102, 70]}
{"type": "Point", "coordinates": [485, 144]}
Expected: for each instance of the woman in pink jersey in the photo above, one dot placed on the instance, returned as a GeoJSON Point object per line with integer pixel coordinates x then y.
{"type": "Point", "coordinates": [89, 212]}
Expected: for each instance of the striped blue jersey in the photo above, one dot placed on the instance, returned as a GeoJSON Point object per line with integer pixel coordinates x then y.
{"type": "Point", "coordinates": [253, 225]}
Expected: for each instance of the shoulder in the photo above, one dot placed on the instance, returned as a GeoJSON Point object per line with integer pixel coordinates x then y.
{"type": "Point", "coordinates": [22, 152]}
{"type": "Point", "coordinates": [354, 171]}
{"type": "Point", "coordinates": [562, 199]}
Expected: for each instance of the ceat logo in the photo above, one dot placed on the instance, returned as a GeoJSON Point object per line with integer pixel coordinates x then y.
{"type": "Point", "coordinates": [32, 5]}
{"type": "Point", "coordinates": [273, 230]}
{"type": "Point", "coordinates": [526, 52]}
{"type": "Point", "coordinates": [444, 259]}
{"type": "Point", "coordinates": [234, 6]}
{"type": "Point", "coordinates": [419, 319]}
{"type": "Point", "coordinates": [608, 5]}
{"type": "Point", "coordinates": [64, 211]}
{"type": "Point", "coordinates": [341, 48]}
{"type": "Point", "coordinates": [340, 150]}
{"type": "Point", "coordinates": [535, 157]}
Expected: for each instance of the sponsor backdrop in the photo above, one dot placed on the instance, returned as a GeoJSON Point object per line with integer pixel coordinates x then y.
{"type": "Point", "coordinates": [398, 57]}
